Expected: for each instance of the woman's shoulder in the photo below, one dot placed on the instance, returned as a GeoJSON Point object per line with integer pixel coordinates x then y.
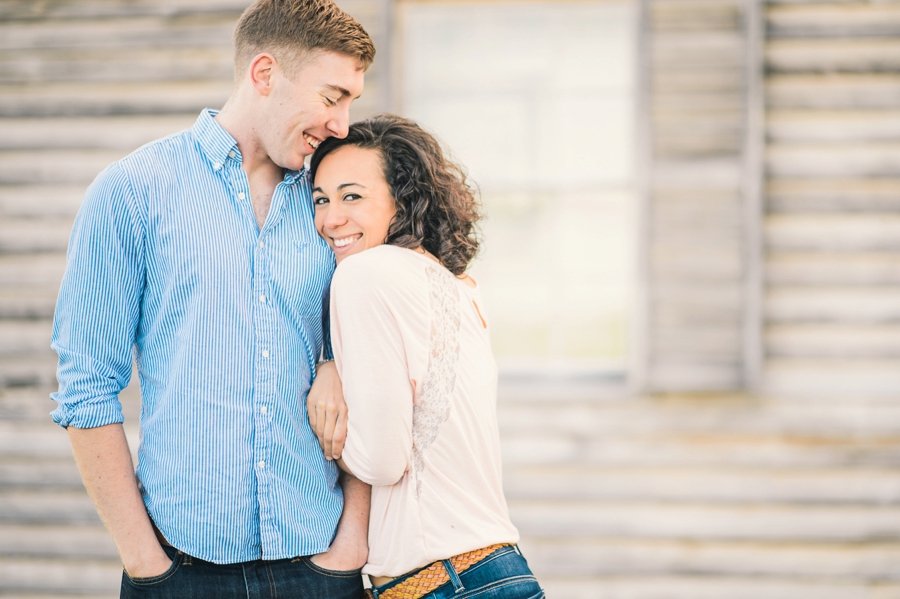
{"type": "Point", "coordinates": [384, 267]}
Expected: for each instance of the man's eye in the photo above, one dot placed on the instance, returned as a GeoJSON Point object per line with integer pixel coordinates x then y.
{"type": "Point", "coordinates": [330, 101]}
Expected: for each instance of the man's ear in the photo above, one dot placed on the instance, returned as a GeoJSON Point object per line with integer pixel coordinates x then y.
{"type": "Point", "coordinates": [262, 72]}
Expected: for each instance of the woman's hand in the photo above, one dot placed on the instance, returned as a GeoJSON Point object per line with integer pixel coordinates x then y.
{"type": "Point", "coordinates": [327, 410]}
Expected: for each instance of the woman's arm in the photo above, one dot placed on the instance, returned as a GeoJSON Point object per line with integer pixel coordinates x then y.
{"type": "Point", "coordinates": [370, 312]}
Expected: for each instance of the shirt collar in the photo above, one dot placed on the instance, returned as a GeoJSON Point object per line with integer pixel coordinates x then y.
{"type": "Point", "coordinates": [215, 142]}
{"type": "Point", "coordinates": [220, 147]}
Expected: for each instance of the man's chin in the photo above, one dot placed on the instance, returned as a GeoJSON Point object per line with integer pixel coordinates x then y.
{"type": "Point", "coordinates": [295, 164]}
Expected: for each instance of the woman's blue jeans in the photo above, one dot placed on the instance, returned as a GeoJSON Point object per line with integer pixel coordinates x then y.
{"type": "Point", "coordinates": [192, 578]}
{"type": "Point", "coordinates": [504, 574]}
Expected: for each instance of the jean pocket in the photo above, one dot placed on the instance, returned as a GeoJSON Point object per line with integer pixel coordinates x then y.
{"type": "Point", "coordinates": [326, 572]}
{"type": "Point", "coordinates": [513, 587]}
{"type": "Point", "coordinates": [151, 580]}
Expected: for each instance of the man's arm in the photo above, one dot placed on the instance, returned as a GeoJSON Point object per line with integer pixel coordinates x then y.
{"type": "Point", "coordinates": [107, 471]}
{"type": "Point", "coordinates": [350, 547]}
{"type": "Point", "coordinates": [328, 417]}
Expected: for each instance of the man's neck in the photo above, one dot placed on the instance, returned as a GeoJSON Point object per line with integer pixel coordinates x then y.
{"type": "Point", "coordinates": [263, 175]}
{"type": "Point", "coordinates": [254, 159]}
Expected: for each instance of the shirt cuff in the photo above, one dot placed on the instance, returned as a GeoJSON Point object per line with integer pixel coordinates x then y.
{"type": "Point", "coordinates": [99, 412]}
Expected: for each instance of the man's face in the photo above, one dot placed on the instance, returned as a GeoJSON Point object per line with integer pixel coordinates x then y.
{"type": "Point", "coordinates": [310, 106]}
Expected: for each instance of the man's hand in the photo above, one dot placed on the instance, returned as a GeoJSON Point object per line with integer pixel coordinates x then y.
{"type": "Point", "coordinates": [327, 410]}
{"type": "Point", "coordinates": [154, 565]}
{"type": "Point", "coordinates": [104, 462]}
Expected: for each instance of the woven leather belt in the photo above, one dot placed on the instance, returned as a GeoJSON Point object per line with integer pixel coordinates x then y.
{"type": "Point", "coordinates": [434, 575]}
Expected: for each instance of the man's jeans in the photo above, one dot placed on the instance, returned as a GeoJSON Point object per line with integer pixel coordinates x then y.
{"type": "Point", "coordinates": [504, 574]}
{"type": "Point", "coordinates": [191, 578]}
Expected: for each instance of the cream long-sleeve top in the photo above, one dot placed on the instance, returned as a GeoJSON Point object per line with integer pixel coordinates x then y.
{"type": "Point", "coordinates": [420, 382]}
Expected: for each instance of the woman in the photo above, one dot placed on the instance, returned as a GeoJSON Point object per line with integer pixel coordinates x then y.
{"type": "Point", "coordinates": [411, 345]}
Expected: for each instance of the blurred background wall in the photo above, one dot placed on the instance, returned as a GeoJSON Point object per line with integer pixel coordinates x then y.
{"type": "Point", "coordinates": [690, 260]}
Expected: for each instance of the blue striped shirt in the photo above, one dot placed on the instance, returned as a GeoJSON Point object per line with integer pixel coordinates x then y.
{"type": "Point", "coordinates": [167, 265]}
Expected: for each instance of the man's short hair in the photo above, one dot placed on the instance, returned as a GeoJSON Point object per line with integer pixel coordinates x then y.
{"type": "Point", "coordinates": [291, 29]}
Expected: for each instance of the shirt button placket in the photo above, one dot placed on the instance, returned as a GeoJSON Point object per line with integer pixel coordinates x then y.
{"type": "Point", "coordinates": [264, 386]}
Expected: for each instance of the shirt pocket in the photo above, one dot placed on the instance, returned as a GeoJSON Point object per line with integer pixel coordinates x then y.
{"type": "Point", "coordinates": [313, 267]}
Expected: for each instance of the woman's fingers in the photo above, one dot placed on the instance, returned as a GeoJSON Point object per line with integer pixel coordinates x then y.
{"type": "Point", "coordinates": [338, 433]}
{"type": "Point", "coordinates": [327, 410]}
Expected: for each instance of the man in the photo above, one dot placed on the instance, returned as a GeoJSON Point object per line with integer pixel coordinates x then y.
{"type": "Point", "coordinates": [197, 255]}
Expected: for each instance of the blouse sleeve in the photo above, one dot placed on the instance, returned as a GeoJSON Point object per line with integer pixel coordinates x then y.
{"type": "Point", "coordinates": [372, 359]}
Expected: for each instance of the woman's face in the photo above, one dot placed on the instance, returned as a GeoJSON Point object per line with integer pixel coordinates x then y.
{"type": "Point", "coordinates": [354, 205]}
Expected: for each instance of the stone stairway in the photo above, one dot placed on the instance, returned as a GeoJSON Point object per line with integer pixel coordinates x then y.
{"type": "Point", "coordinates": [52, 543]}
{"type": "Point", "coordinates": [718, 496]}
{"type": "Point", "coordinates": [665, 497]}
{"type": "Point", "coordinates": [832, 226]}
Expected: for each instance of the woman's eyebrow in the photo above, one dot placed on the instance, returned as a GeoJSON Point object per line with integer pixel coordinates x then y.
{"type": "Point", "coordinates": [341, 186]}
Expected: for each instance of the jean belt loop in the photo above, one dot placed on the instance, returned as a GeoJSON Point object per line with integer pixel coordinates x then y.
{"type": "Point", "coordinates": [454, 576]}
{"type": "Point", "coordinates": [516, 547]}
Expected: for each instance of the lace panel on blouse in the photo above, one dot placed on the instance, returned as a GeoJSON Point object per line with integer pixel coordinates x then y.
{"type": "Point", "coordinates": [433, 407]}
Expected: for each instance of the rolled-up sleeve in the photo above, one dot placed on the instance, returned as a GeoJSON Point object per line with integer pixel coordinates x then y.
{"type": "Point", "coordinates": [99, 301]}
{"type": "Point", "coordinates": [371, 358]}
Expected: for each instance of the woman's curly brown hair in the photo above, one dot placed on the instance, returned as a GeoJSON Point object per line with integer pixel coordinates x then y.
{"type": "Point", "coordinates": [436, 207]}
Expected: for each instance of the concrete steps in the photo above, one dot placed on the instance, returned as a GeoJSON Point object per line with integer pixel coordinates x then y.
{"type": "Point", "coordinates": [832, 159]}
{"type": "Point", "coordinates": [710, 485]}
{"type": "Point", "coordinates": [787, 561]}
{"type": "Point", "coordinates": [832, 19]}
{"type": "Point", "coordinates": [808, 194]}
{"type": "Point", "coordinates": [52, 543]}
{"type": "Point", "coordinates": [833, 268]}
{"type": "Point", "coordinates": [833, 91]}
{"type": "Point", "coordinates": [828, 54]}
{"type": "Point", "coordinates": [613, 498]}
{"type": "Point", "coordinates": [719, 496]}
{"type": "Point", "coordinates": [713, 587]}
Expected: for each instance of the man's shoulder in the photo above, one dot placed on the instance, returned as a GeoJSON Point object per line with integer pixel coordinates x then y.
{"type": "Point", "coordinates": [171, 149]}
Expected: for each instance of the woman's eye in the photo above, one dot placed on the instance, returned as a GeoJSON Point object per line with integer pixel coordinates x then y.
{"type": "Point", "coordinates": [320, 200]}
{"type": "Point", "coordinates": [352, 196]}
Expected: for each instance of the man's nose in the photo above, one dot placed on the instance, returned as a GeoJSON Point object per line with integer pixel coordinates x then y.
{"type": "Point", "coordinates": [340, 124]}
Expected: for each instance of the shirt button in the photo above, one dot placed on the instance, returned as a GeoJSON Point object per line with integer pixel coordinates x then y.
{"type": "Point", "coordinates": [262, 298]}
{"type": "Point", "coordinates": [265, 355]}
{"type": "Point", "coordinates": [261, 464]}
{"type": "Point", "coordinates": [231, 154]}
{"type": "Point", "coordinates": [217, 166]}
{"type": "Point", "coordinates": [261, 244]}
{"type": "Point", "coordinates": [263, 409]}
{"type": "Point", "coordinates": [241, 196]}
